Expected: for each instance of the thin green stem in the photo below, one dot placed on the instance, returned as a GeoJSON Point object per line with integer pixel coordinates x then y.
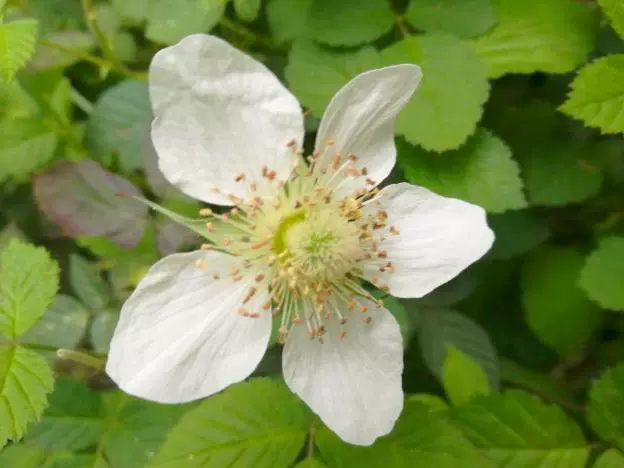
{"type": "Point", "coordinates": [246, 33]}
{"type": "Point", "coordinates": [100, 35]}
{"type": "Point", "coordinates": [98, 61]}
{"type": "Point", "coordinates": [81, 102]}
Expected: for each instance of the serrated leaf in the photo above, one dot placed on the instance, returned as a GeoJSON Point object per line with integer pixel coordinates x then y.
{"type": "Point", "coordinates": [556, 309]}
{"type": "Point", "coordinates": [257, 423]}
{"type": "Point", "coordinates": [606, 405]}
{"type": "Point", "coordinates": [517, 232]}
{"type": "Point", "coordinates": [27, 144]}
{"type": "Point", "coordinates": [553, 36]}
{"type": "Point", "coordinates": [349, 22]}
{"type": "Point", "coordinates": [610, 459]}
{"type": "Point", "coordinates": [597, 94]}
{"type": "Point", "coordinates": [74, 419]}
{"type": "Point", "coordinates": [331, 71]}
{"type": "Point", "coordinates": [247, 10]}
{"type": "Point", "coordinates": [102, 329]}
{"type": "Point", "coordinates": [614, 9]}
{"type": "Point", "coordinates": [462, 378]}
{"type": "Point", "coordinates": [25, 380]}
{"type": "Point", "coordinates": [559, 175]}
{"type": "Point", "coordinates": [84, 199]}
{"type": "Point", "coordinates": [463, 18]}
{"type": "Point", "coordinates": [447, 105]}
{"type": "Point", "coordinates": [64, 49]}
{"type": "Point", "coordinates": [17, 44]}
{"type": "Point", "coordinates": [120, 122]}
{"type": "Point", "coordinates": [421, 438]}
{"type": "Point", "coordinates": [28, 282]}
{"type": "Point", "coordinates": [62, 326]}
{"type": "Point", "coordinates": [86, 282]}
{"type": "Point", "coordinates": [516, 430]}
{"type": "Point", "coordinates": [481, 172]}
{"type": "Point", "coordinates": [603, 274]}
{"type": "Point", "coordinates": [441, 329]}
{"type": "Point", "coordinates": [168, 22]}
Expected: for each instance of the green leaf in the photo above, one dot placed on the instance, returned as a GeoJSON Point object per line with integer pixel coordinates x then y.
{"type": "Point", "coordinates": [433, 402]}
{"type": "Point", "coordinates": [25, 380]}
{"type": "Point", "coordinates": [349, 22]}
{"type": "Point", "coordinates": [344, 23]}
{"type": "Point", "coordinates": [247, 10]}
{"type": "Point", "coordinates": [559, 175]}
{"type": "Point", "coordinates": [310, 463]}
{"type": "Point", "coordinates": [441, 329]}
{"type": "Point", "coordinates": [22, 456]}
{"type": "Point", "coordinates": [86, 282]}
{"type": "Point", "coordinates": [102, 329]}
{"type": "Point", "coordinates": [421, 438]}
{"type": "Point", "coordinates": [288, 18]}
{"type": "Point", "coordinates": [17, 44]}
{"type": "Point", "coordinates": [134, 11]}
{"type": "Point", "coordinates": [74, 419]}
{"type": "Point", "coordinates": [517, 232]}
{"type": "Point", "coordinates": [614, 9]}
{"type": "Point", "coordinates": [597, 94]}
{"type": "Point", "coordinates": [610, 459]}
{"type": "Point", "coordinates": [606, 405]}
{"type": "Point", "coordinates": [120, 123]}
{"type": "Point", "coordinates": [62, 326]}
{"type": "Point", "coordinates": [516, 430]}
{"type": "Point", "coordinates": [553, 36]}
{"type": "Point", "coordinates": [28, 282]}
{"type": "Point", "coordinates": [257, 423]}
{"type": "Point", "coordinates": [447, 106]}
{"type": "Point", "coordinates": [462, 378]}
{"type": "Point", "coordinates": [463, 18]}
{"type": "Point", "coordinates": [71, 46]}
{"type": "Point", "coordinates": [481, 172]}
{"type": "Point", "coordinates": [168, 22]}
{"type": "Point", "coordinates": [331, 72]}
{"type": "Point", "coordinates": [556, 309]}
{"type": "Point", "coordinates": [603, 273]}
{"type": "Point", "coordinates": [27, 144]}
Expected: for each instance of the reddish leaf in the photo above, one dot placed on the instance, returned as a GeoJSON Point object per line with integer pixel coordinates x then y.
{"type": "Point", "coordinates": [84, 199]}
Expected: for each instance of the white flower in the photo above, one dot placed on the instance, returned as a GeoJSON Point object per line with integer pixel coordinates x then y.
{"type": "Point", "coordinates": [300, 240]}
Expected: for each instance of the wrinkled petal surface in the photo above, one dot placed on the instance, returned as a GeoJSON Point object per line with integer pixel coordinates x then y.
{"type": "Point", "coordinates": [219, 114]}
{"type": "Point", "coordinates": [180, 336]}
{"type": "Point", "coordinates": [438, 238]}
{"type": "Point", "coordinates": [353, 383]}
{"type": "Point", "coordinates": [360, 119]}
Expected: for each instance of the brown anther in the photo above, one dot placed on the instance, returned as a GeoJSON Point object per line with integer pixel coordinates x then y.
{"type": "Point", "coordinates": [240, 177]}
{"type": "Point", "coordinates": [370, 181]}
{"type": "Point", "coordinates": [364, 171]}
{"type": "Point", "coordinates": [352, 157]}
{"type": "Point", "coordinates": [206, 247]}
{"type": "Point", "coordinates": [367, 320]}
{"type": "Point", "coordinates": [201, 264]}
{"type": "Point", "coordinates": [320, 331]}
{"type": "Point", "coordinates": [271, 175]}
{"type": "Point", "coordinates": [343, 321]}
{"type": "Point", "coordinates": [244, 312]}
{"type": "Point", "coordinates": [335, 163]}
{"type": "Point", "coordinates": [291, 143]}
{"type": "Point", "coordinates": [265, 170]}
{"type": "Point", "coordinates": [382, 254]}
{"type": "Point", "coordinates": [251, 293]}
{"type": "Point", "coordinates": [253, 186]}
{"type": "Point", "coordinates": [351, 304]}
{"type": "Point", "coordinates": [267, 306]}
{"type": "Point", "coordinates": [236, 279]}
{"type": "Point", "coordinates": [342, 334]}
{"type": "Point", "coordinates": [394, 231]}
{"type": "Point", "coordinates": [259, 278]}
{"type": "Point", "coordinates": [216, 276]}
{"type": "Point", "coordinates": [363, 308]}
{"type": "Point", "coordinates": [254, 315]}
{"type": "Point", "coordinates": [245, 239]}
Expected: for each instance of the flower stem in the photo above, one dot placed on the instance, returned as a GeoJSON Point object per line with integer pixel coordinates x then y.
{"type": "Point", "coordinates": [246, 33]}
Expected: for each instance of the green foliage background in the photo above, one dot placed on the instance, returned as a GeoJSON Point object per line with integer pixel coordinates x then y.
{"type": "Point", "coordinates": [518, 362]}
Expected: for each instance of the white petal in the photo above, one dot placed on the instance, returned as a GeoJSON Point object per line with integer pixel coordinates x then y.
{"type": "Point", "coordinates": [219, 113]}
{"type": "Point", "coordinates": [360, 120]}
{"type": "Point", "coordinates": [352, 383]}
{"type": "Point", "coordinates": [180, 336]}
{"type": "Point", "coordinates": [438, 238]}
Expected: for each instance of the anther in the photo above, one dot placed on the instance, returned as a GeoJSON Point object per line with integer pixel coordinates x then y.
{"type": "Point", "coordinates": [201, 264]}
{"type": "Point", "coordinates": [240, 177]}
